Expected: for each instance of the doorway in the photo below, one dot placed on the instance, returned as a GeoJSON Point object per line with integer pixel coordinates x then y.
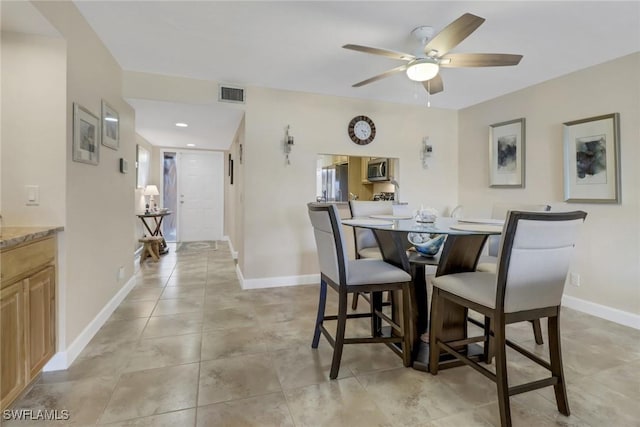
{"type": "Point", "coordinates": [170, 196]}
{"type": "Point", "coordinates": [194, 182]}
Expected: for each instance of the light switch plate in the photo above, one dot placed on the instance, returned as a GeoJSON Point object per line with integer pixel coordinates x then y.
{"type": "Point", "coordinates": [32, 193]}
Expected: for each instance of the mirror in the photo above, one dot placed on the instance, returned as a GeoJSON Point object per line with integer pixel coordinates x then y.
{"type": "Point", "coordinates": [340, 178]}
{"type": "Point", "coordinates": [143, 158]}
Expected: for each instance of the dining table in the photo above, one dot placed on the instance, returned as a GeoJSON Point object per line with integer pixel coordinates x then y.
{"type": "Point", "coordinates": [465, 240]}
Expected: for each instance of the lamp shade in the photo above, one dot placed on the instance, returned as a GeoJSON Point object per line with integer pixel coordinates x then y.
{"type": "Point", "coordinates": [151, 190]}
{"type": "Point", "coordinates": [422, 70]}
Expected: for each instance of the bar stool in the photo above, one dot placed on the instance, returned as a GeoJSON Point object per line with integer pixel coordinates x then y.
{"type": "Point", "coordinates": [348, 276]}
{"type": "Point", "coordinates": [533, 263]}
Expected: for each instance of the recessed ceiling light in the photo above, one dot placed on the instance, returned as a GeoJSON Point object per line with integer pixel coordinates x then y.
{"type": "Point", "coordinates": [182, 125]}
{"type": "Point", "coordinates": [191, 145]}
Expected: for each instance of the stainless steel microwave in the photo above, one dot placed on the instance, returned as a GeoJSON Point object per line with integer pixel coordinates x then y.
{"type": "Point", "coordinates": [378, 170]}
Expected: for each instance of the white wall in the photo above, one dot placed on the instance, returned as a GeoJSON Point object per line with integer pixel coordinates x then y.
{"type": "Point", "coordinates": [608, 254]}
{"type": "Point", "coordinates": [278, 240]}
{"type": "Point", "coordinates": [34, 84]}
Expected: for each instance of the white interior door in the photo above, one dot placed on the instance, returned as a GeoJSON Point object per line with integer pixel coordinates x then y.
{"type": "Point", "coordinates": [200, 196]}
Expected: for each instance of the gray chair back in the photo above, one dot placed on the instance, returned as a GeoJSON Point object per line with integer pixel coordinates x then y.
{"type": "Point", "coordinates": [500, 211]}
{"type": "Point", "coordinates": [364, 238]}
{"type": "Point", "coordinates": [327, 230]}
{"type": "Point", "coordinates": [534, 258]}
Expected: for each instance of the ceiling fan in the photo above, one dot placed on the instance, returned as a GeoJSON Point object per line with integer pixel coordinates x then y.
{"type": "Point", "coordinates": [425, 65]}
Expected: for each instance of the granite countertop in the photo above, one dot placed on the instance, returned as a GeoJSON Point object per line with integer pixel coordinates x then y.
{"type": "Point", "coordinates": [13, 236]}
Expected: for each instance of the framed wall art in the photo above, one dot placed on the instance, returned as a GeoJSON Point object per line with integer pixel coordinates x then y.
{"type": "Point", "coordinates": [86, 136]}
{"type": "Point", "coordinates": [110, 126]}
{"type": "Point", "coordinates": [592, 159]}
{"type": "Point", "coordinates": [507, 154]}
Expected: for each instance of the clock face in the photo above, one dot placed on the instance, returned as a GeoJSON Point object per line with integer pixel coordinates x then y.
{"type": "Point", "coordinates": [362, 130]}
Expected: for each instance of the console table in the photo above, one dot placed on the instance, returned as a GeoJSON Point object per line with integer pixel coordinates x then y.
{"type": "Point", "coordinates": [155, 229]}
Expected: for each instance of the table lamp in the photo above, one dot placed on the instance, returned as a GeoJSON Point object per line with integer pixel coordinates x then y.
{"type": "Point", "coordinates": [151, 191]}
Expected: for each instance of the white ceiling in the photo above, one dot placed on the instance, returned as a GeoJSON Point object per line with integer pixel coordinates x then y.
{"type": "Point", "coordinates": [211, 127]}
{"type": "Point", "coordinates": [296, 45]}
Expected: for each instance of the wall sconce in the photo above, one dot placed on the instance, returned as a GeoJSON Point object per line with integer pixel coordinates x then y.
{"type": "Point", "coordinates": [151, 191]}
{"type": "Point", "coordinates": [288, 143]}
{"type": "Point", "coordinates": [426, 151]}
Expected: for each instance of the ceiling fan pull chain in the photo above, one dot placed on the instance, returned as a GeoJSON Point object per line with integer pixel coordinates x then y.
{"type": "Point", "coordinates": [429, 94]}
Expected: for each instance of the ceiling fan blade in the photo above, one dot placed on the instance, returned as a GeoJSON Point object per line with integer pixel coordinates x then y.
{"type": "Point", "coordinates": [381, 76]}
{"type": "Point", "coordinates": [453, 34]}
{"type": "Point", "coordinates": [479, 60]}
{"type": "Point", "coordinates": [435, 85]}
{"type": "Point", "coordinates": [384, 52]}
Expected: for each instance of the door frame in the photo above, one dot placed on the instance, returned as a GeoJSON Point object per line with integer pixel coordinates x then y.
{"type": "Point", "coordinates": [161, 179]}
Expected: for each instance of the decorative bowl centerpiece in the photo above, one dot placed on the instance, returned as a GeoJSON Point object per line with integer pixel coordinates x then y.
{"type": "Point", "coordinates": [427, 244]}
{"type": "Point", "coordinates": [426, 215]}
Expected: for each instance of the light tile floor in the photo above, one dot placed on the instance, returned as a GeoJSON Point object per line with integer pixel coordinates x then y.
{"type": "Point", "coordinates": [188, 347]}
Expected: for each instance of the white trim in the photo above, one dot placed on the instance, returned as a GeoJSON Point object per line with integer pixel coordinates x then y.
{"type": "Point", "coordinates": [240, 276]}
{"type": "Point", "coordinates": [63, 359]}
{"type": "Point", "coordinates": [234, 253]}
{"type": "Point", "coordinates": [276, 282]}
{"type": "Point", "coordinates": [618, 316]}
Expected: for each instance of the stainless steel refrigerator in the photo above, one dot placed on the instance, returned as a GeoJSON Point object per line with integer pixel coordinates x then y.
{"type": "Point", "coordinates": [335, 183]}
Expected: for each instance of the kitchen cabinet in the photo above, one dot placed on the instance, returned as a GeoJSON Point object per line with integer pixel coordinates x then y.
{"type": "Point", "coordinates": [364, 167]}
{"type": "Point", "coordinates": [40, 290]}
{"type": "Point", "coordinates": [12, 344]}
{"type": "Point", "coordinates": [357, 187]}
{"type": "Point", "coordinates": [27, 313]}
{"type": "Point", "coordinates": [340, 160]}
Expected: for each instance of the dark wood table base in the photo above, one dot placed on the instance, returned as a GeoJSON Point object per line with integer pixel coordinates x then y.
{"type": "Point", "coordinates": [459, 254]}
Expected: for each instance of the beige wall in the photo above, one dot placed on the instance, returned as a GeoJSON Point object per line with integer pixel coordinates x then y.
{"type": "Point", "coordinates": [608, 255]}
{"type": "Point", "coordinates": [278, 240]}
{"type": "Point", "coordinates": [34, 129]}
{"type": "Point", "coordinates": [233, 194]}
{"type": "Point", "coordinates": [99, 212]}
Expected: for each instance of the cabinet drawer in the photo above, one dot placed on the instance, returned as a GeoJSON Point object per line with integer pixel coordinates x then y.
{"type": "Point", "coordinates": [23, 259]}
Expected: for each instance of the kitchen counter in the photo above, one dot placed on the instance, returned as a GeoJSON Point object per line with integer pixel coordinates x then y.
{"type": "Point", "coordinates": [13, 236]}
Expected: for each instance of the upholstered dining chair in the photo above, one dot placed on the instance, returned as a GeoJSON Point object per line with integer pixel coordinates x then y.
{"type": "Point", "coordinates": [348, 276]}
{"type": "Point", "coordinates": [533, 263]}
{"type": "Point", "coordinates": [366, 245]}
{"type": "Point", "coordinates": [488, 262]}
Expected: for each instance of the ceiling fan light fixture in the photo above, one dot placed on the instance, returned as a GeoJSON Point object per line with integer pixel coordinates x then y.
{"type": "Point", "coordinates": [422, 70]}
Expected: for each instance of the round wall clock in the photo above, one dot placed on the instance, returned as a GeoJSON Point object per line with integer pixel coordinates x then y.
{"type": "Point", "coordinates": [362, 130]}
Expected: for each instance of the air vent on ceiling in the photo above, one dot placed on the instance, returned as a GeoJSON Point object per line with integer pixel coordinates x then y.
{"type": "Point", "coordinates": [228, 93]}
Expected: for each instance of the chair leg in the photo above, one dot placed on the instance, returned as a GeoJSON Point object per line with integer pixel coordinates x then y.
{"type": "Point", "coordinates": [555, 356]}
{"type": "Point", "coordinates": [376, 322]}
{"type": "Point", "coordinates": [322, 302]}
{"type": "Point", "coordinates": [435, 330]}
{"type": "Point", "coordinates": [342, 323]}
{"type": "Point", "coordinates": [501, 373]}
{"type": "Point", "coordinates": [537, 331]}
{"type": "Point", "coordinates": [407, 347]}
{"type": "Point", "coordinates": [354, 302]}
{"type": "Point", "coordinates": [488, 341]}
